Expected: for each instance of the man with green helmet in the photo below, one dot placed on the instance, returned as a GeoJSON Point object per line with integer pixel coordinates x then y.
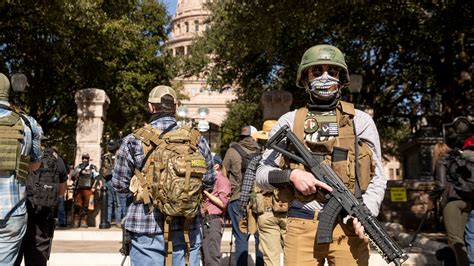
{"type": "Point", "coordinates": [340, 136]}
{"type": "Point", "coordinates": [20, 152]}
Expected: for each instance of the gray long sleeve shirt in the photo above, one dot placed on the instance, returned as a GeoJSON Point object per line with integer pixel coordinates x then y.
{"type": "Point", "coordinates": [365, 130]}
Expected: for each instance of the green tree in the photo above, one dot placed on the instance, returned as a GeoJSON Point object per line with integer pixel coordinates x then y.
{"type": "Point", "coordinates": [412, 54]}
{"type": "Point", "coordinates": [66, 46]}
{"type": "Point", "coordinates": [240, 114]}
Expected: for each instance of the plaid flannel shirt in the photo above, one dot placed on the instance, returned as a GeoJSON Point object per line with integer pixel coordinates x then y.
{"type": "Point", "coordinates": [13, 192]}
{"type": "Point", "coordinates": [247, 184]}
{"type": "Point", "coordinates": [131, 156]}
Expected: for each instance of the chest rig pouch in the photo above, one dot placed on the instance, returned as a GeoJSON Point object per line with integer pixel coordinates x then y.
{"type": "Point", "coordinates": [85, 179]}
{"type": "Point", "coordinates": [349, 157]}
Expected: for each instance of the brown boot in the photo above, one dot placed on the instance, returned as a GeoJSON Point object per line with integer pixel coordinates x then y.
{"type": "Point", "coordinates": [75, 221]}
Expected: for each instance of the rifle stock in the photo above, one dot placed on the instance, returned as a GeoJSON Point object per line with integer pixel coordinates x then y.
{"type": "Point", "coordinates": [340, 198]}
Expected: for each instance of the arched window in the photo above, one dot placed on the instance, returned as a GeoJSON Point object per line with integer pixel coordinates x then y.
{"type": "Point", "coordinates": [196, 25]}
{"type": "Point", "coordinates": [186, 24]}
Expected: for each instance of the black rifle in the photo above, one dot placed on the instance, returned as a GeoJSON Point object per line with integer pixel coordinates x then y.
{"type": "Point", "coordinates": [126, 242]}
{"type": "Point", "coordinates": [340, 198]}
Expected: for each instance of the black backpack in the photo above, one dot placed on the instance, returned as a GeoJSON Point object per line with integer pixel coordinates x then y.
{"type": "Point", "coordinates": [42, 184]}
{"type": "Point", "coordinates": [246, 157]}
{"type": "Point", "coordinates": [460, 173]}
{"type": "Point", "coordinates": [108, 161]}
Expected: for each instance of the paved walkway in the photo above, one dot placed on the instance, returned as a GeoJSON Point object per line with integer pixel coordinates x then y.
{"type": "Point", "coordinates": [100, 247]}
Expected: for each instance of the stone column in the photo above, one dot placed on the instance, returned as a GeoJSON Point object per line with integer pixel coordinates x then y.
{"type": "Point", "coordinates": [275, 103]}
{"type": "Point", "coordinates": [91, 110]}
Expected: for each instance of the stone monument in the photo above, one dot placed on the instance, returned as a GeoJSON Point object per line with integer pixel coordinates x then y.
{"type": "Point", "coordinates": [275, 103]}
{"type": "Point", "coordinates": [91, 110]}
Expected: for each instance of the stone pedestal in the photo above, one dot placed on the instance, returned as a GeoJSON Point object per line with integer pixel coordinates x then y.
{"type": "Point", "coordinates": [275, 103]}
{"type": "Point", "coordinates": [91, 110]}
{"type": "Point", "coordinates": [416, 204]}
{"type": "Point", "coordinates": [417, 154]}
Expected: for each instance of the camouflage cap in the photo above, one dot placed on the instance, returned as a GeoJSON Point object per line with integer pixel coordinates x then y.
{"type": "Point", "coordinates": [4, 87]}
{"type": "Point", "coordinates": [159, 91]}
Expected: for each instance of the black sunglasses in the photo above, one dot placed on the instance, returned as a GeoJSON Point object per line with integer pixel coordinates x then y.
{"type": "Point", "coordinates": [318, 70]}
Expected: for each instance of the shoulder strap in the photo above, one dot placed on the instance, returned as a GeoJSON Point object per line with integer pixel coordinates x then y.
{"type": "Point", "coordinates": [347, 108]}
{"type": "Point", "coordinates": [154, 141]}
{"type": "Point", "coordinates": [27, 123]}
{"type": "Point", "coordinates": [357, 190]}
{"type": "Point", "coordinates": [240, 150]}
{"type": "Point", "coordinates": [298, 124]}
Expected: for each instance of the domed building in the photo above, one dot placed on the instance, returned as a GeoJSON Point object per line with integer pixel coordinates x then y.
{"type": "Point", "coordinates": [204, 104]}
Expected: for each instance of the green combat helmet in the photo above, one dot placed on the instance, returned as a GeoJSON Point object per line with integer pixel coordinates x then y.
{"type": "Point", "coordinates": [4, 87]}
{"type": "Point", "coordinates": [320, 55]}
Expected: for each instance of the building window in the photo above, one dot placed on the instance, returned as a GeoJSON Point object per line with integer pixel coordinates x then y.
{"type": "Point", "coordinates": [178, 29]}
{"type": "Point", "coordinates": [193, 91]}
{"type": "Point", "coordinates": [196, 25]}
{"type": "Point", "coordinates": [180, 50]}
{"type": "Point", "coordinates": [186, 24]}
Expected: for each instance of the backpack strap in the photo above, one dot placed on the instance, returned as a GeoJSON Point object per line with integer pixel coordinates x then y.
{"type": "Point", "coordinates": [298, 123]}
{"type": "Point", "coordinates": [240, 150]}
{"type": "Point", "coordinates": [168, 242]}
{"type": "Point", "coordinates": [186, 240]}
{"type": "Point", "coordinates": [357, 190]}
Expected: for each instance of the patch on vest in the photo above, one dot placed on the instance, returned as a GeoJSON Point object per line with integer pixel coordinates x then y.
{"type": "Point", "coordinates": [329, 129]}
{"type": "Point", "coordinates": [198, 162]}
{"type": "Point", "coordinates": [310, 123]}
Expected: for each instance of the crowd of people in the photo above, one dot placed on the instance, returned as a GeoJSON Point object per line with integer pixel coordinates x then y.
{"type": "Point", "coordinates": [171, 195]}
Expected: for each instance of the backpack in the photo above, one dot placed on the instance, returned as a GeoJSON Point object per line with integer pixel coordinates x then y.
{"type": "Point", "coordinates": [42, 184]}
{"type": "Point", "coordinates": [108, 161]}
{"type": "Point", "coordinates": [246, 157]}
{"type": "Point", "coordinates": [171, 178]}
{"type": "Point", "coordinates": [460, 173]}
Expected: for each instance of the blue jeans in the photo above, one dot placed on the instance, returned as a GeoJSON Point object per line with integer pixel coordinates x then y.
{"type": "Point", "coordinates": [61, 211]}
{"type": "Point", "coordinates": [113, 203]}
{"type": "Point", "coordinates": [11, 235]}
{"type": "Point", "coordinates": [125, 201]}
{"type": "Point", "coordinates": [241, 239]}
{"type": "Point", "coordinates": [469, 237]}
{"type": "Point", "coordinates": [149, 249]}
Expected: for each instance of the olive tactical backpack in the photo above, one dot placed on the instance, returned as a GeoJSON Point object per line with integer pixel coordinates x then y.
{"type": "Point", "coordinates": [171, 178]}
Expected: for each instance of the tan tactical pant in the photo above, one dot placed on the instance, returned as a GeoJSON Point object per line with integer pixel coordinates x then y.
{"type": "Point", "coordinates": [455, 216]}
{"type": "Point", "coordinates": [272, 230]}
{"type": "Point", "coordinates": [301, 248]}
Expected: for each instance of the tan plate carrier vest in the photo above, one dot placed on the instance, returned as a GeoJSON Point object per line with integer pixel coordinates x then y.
{"type": "Point", "coordinates": [346, 140]}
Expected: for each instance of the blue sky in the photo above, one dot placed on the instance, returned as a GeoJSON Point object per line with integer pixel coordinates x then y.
{"type": "Point", "coordinates": [170, 6]}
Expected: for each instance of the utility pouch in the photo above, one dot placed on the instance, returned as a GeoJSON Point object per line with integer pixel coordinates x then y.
{"type": "Point", "coordinates": [279, 206]}
{"type": "Point", "coordinates": [257, 203]}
